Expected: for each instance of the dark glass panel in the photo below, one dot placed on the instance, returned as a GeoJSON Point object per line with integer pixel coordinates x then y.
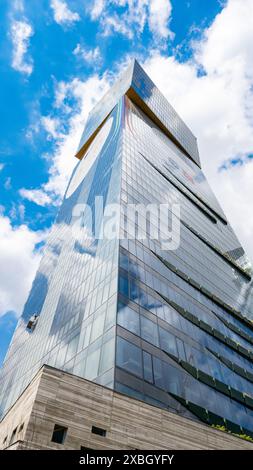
{"type": "Point", "coordinates": [128, 357]}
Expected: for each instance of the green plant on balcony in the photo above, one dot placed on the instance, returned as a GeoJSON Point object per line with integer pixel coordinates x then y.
{"type": "Point", "coordinates": [224, 429]}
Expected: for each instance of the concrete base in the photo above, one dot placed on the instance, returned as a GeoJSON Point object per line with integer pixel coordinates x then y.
{"type": "Point", "coordinates": [56, 397]}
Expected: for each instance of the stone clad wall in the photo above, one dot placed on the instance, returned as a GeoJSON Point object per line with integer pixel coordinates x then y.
{"type": "Point", "coordinates": [56, 397]}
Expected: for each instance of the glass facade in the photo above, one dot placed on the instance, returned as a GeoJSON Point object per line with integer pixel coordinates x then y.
{"type": "Point", "coordinates": [172, 327]}
{"type": "Point", "coordinates": [74, 294]}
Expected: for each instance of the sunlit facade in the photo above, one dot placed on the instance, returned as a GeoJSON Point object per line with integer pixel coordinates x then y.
{"type": "Point", "coordinates": [171, 327]}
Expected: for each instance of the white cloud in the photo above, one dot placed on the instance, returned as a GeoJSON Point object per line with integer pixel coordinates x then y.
{"type": "Point", "coordinates": [131, 21]}
{"type": "Point", "coordinates": [21, 32]}
{"type": "Point", "coordinates": [18, 5]}
{"type": "Point", "coordinates": [159, 15]}
{"type": "Point", "coordinates": [222, 46]}
{"type": "Point", "coordinates": [19, 262]}
{"type": "Point", "coordinates": [38, 196]}
{"type": "Point", "coordinates": [51, 126]}
{"type": "Point", "coordinates": [17, 212]}
{"type": "Point", "coordinates": [62, 13]}
{"type": "Point", "coordinates": [235, 195]}
{"type": "Point", "coordinates": [218, 106]}
{"type": "Point", "coordinates": [35, 121]}
{"type": "Point", "coordinates": [85, 94]}
{"type": "Point", "coordinates": [21, 211]}
{"type": "Point", "coordinates": [60, 95]}
{"type": "Point", "coordinates": [97, 9]}
{"type": "Point", "coordinates": [116, 24]}
{"type": "Point", "coordinates": [7, 183]}
{"type": "Point", "coordinates": [91, 56]}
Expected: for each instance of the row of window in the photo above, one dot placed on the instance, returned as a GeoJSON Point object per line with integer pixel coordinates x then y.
{"type": "Point", "coordinates": [167, 313]}
{"type": "Point", "coordinates": [143, 178]}
{"type": "Point", "coordinates": [192, 256]}
{"type": "Point", "coordinates": [153, 273]}
{"type": "Point", "coordinates": [15, 435]}
{"type": "Point", "coordinates": [60, 433]}
{"type": "Point", "coordinates": [171, 343]}
{"type": "Point", "coordinates": [134, 360]}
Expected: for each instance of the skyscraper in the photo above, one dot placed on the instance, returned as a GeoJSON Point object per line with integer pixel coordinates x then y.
{"type": "Point", "coordinates": [143, 287]}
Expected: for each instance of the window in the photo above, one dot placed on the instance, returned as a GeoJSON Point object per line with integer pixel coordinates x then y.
{"type": "Point", "coordinates": [98, 431]}
{"type": "Point", "coordinates": [168, 342]}
{"type": "Point", "coordinates": [129, 357]}
{"type": "Point", "coordinates": [21, 427]}
{"type": "Point", "coordinates": [13, 436]}
{"type": "Point", "coordinates": [97, 327]}
{"type": "Point", "coordinates": [123, 261]}
{"type": "Point", "coordinates": [149, 331]}
{"type": "Point", "coordinates": [59, 434]}
{"type": "Point", "coordinates": [180, 347]}
{"type": "Point", "coordinates": [132, 268]}
{"type": "Point", "coordinates": [134, 290]}
{"type": "Point", "coordinates": [110, 314]}
{"type": "Point", "coordinates": [173, 379]}
{"type": "Point", "coordinates": [123, 285]}
{"type": "Point", "coordinates": [129, 391]}
{"type": "Point", "coordinates": [87, 335]}
{"type": "Point", "coordinates": [202, 360]}
{"type": "Point", "coordinates": [147, 367]}
{"type": "Point", "coordinates": [173, 318]}
{"type": "Point", "coordinates": [72, 347]}
{"type": "Point", "coordinates": [143, 299]}
{"type": "Point", "coordinates": [190, 354]}
{"type": "Point", "coordinates": [107, 356]}
{"type": "Point", "coordinates": [128, 318]}
{"type": "Point", "coordinates": [92, 363]}
{"type": "Point", "coordinates": [158, 372]}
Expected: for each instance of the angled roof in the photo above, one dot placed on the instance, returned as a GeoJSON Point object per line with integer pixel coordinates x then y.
{"type": "Point", "coordinates": [137, 85]}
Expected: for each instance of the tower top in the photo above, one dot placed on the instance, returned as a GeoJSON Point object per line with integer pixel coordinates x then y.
{"type": "Point", "coordinates": [137, 85]}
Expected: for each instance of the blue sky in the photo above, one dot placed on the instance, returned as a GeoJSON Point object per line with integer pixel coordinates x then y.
{"type": "Point", "coordinates": [57, 58]}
